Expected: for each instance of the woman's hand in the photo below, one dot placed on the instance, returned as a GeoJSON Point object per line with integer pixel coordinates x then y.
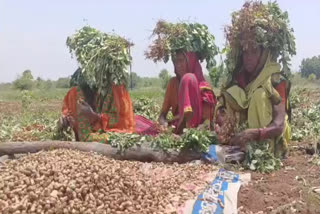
{"type": "Point", "coordinates": [163, 121]}
{"type": "Point", "coordinates": [243, 138]}
{"type": "Point", "coordinates": [65, 122]}
{"type": "Point", "coordinates": [86, 110]}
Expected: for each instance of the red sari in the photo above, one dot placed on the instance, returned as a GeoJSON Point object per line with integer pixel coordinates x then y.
{"type": "Point", "coordinates": [191, 94]}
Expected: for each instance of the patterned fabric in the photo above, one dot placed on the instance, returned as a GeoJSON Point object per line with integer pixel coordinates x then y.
{"type": "Point", "coordinates": [116, 114]}
{"type": "Point", "coordinates": [145, 126]}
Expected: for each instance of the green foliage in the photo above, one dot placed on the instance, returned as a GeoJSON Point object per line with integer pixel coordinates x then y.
{"type": "Point", "coordinates": [103, 58]}
{"type": "Point", "coordinates": [48, 84]}
{"type": "Point", "coordinates": [40, 83]}
{"type": "Point", "coordinates": [196, 139]}
{"type": "Point", "coordinates": [260, 159]}
{"type": "Point", "coordinates": [8, 126]}
{"type": "Point", "coordinates": [165, 78]}
{"type": "Point", "coordinates": [146, 107]}
{"type": "Point", "coordinates": [217, 72]}
{"type": "Point", "coordinates": [182, 36]}
{"type": "Point", "coordinates": [123, 141]}
{"type": "Point", "coordinates": [27, 74]}
{"type": "Point", "coordinates": [306, 123]}
{"type": "Point", "coordinates": [310, 66]}
{"type": "Point", "coordinates": [25, 82]}
{"type": "Point", "coordinates": [166, 141]}
{"type": "Point", "coordinates": [312, 77]}
{"type": "Point", "coordinates": [45, 84]}
{"type": "Point", "coordinates": [26, 99]}
{"type": "Point", "coordinates": [154, 93]}
{"type": "Point", "coordinates": [258, 24]}
{"type": "Point", "coordinates": [147, 83]}
{"type": "Point", "coordinates": [305, 114]}
{"type": "Point", "coordinates": [298, 81]}
{"type": "Point", "coordinates": [38, 95]}
{"type": "Point", "coordinates": [28, 126]}
{"type": "Point", "coordinates": [63, 82]}
{"type": "Point", "coordinates": [134, 80]}
{"type": "Point", "coordinates": [164, 73]}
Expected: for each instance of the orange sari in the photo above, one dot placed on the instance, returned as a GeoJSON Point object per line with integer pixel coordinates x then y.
{"type": "Point", "coordinates": [116, 115]}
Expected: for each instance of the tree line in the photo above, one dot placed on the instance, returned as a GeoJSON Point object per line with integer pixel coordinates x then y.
{"type": "Point", "coordinates": [309, 68]}
{"type": "Point", "coordinates": [26, 81]}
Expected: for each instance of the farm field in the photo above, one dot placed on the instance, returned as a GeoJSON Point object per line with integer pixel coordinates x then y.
{"type": "Point", "coordinates": [160, 107]}
{"type": "Point", "coordinates": [31, 116]}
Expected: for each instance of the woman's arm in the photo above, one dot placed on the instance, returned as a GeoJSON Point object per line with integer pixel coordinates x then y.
{"type": "Point", "coordinates": [274, 129]}
{"type": "Point", "coordinates": [86, 110]}
{"type": "Point", "coordinates": [166, 104]}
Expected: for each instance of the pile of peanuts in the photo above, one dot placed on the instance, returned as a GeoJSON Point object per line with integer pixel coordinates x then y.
{"type": "Point", "coordinates": [68, 181]}
{"type": "Point", "coordinates": [226, 131]}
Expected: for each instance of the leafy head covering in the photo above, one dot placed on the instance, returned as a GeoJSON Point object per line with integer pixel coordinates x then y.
{"type": "Point", "coordinates": [182, 37]}
{"type": "Point", "coordinates": [264, 25]}
{"type": "Point", "coordinates": [103, 58]}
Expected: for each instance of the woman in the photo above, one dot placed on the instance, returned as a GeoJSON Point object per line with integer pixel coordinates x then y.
{"type": "Point", "coordinates": [260, 43]}
{"type": "Point", "coordinates": [188, 95]}
{"type": "Point", "coordinates": [91, 116]}
{"type": "Point", "coordinates": [259, 94]}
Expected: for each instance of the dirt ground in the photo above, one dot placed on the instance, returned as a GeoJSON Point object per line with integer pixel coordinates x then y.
{"type": "Point", "coordinates": [14, 107]}
{"type": "Point", "coordinates": [289, 190]}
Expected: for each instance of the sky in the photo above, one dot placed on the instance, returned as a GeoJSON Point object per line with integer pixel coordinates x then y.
{"type": "Point", "coordinates": [33, 33]}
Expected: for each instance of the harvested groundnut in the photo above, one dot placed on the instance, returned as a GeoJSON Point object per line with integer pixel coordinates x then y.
{"type": "Point", "coordinates": [65, 181]}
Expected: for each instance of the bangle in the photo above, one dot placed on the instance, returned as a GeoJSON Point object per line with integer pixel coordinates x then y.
{"type": "Point", "coordinates": [262, 134]}
{"type": "Point", "coordinates": [259, 134]}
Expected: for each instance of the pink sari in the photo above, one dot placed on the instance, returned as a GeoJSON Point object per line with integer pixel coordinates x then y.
{"type": "Point", "coordinates": [145, 126]}
{"type": "Point", "coordinates": [194, 91]}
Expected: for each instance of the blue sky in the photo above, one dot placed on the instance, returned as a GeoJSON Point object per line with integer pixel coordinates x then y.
{"type": "Point", "coordinates": [33, 32]}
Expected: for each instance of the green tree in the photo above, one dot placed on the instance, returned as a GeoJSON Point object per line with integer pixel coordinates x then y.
{"type": "Point", "coordinates": [48, 84]}
{"type": "Point", "coordinates": [216, 73]}
{"type": "Point", "coordinates": [147, 83]}
{"type": "Point", "coordinates": [165, 78]}
{"type": "Point", "coordinates": [310, 66]}
{"type": "Point", "coordinates": [63, 82]}
{"type": "Point", "coordinates": [312, 77]}
{"type": "Point", "coordinates": [24, 82]}
{"type": "Point", "coordinates": [40, 83]}
{"type": "Point", "coordinates": [134, 80]}
{"type": "Point", "coordinates": [27, 74]}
